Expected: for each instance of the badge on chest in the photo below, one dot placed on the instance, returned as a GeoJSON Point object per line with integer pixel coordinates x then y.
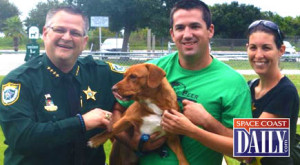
{"type": "Point", "coordinates": [49, 103]}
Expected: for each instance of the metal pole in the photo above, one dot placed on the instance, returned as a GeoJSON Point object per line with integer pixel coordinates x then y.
{"type": "Point", "coordinates": [153, 43]}
{"type": "Point", "coordinates": [148, 40]}
{"type": "Point", "coordinates": [100, 39]}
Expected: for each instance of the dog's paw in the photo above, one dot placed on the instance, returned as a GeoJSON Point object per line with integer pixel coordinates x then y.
{"type": "Point", "coordinates": [91, 144]}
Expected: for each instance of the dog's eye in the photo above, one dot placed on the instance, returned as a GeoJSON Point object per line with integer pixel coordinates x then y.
{"type": "Point", "coordinates": [132, 76]}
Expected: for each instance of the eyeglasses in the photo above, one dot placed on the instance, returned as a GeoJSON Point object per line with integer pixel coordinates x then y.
{"type": "Point", "coordinates": [62, 30]}
{"type": "Point", "coordinates": [268, 24]}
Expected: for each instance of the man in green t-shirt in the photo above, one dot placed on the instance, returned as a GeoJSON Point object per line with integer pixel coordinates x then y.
{"type": "Point", "coordinates": [210, 93]}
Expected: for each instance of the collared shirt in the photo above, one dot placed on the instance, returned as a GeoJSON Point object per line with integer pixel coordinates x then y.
{"type": "Point", "coordinates": [35, 116]}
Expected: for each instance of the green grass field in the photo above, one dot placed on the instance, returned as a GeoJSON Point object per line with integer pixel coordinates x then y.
{"type": "Point", "coordinates": [238, 64]}
{"type": "Point", "coordinates": [2, 146]}
{"type": "Point", "coordinates": [107, 145]}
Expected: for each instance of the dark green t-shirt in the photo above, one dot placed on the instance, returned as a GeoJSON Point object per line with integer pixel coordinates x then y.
{"type": "Point", "coordinates": [35, 115]}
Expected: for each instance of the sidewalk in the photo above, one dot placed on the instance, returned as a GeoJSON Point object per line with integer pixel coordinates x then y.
{"type": "Point", "coordinates": [284, 71]}
{"type": "Point", "coordinates": [11, 61]}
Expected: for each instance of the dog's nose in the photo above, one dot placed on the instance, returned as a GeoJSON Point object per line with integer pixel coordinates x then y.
{"type": "Point", "coordinates": [114, 88]}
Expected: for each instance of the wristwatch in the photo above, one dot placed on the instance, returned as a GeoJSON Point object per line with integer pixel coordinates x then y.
{"type": "Point", "coordinates": [144, 138]}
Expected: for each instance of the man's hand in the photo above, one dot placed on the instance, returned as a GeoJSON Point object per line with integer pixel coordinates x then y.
{"type": "Point", "coordinates": [97, 118]}
{"type": "Point", "coordinates": [176, 123]}
{"type": "Point", "coordinates": [195, 112]}
{"type": "Point", "coordinates": [153, 143]}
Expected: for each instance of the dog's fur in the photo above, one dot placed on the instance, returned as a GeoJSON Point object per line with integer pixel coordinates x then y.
{"type": "Point", "coordinates": [147, 85]}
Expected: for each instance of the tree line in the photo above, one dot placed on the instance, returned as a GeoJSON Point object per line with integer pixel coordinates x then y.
{"type": "Point", "coordinates": [230, 20]}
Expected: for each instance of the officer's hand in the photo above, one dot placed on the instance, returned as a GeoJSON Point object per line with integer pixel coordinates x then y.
{"type": "Point", "coordinates": [97, 118]}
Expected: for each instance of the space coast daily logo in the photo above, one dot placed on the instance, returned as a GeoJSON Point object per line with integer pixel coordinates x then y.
{"type": "Point", "coordinates": [261, 137]}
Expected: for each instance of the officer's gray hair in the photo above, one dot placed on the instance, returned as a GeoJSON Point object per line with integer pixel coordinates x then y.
{"type": "Point", "coordinates": [71, 10]}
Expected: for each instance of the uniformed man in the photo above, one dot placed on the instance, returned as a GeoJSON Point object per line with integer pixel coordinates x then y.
{"type": "Point", "coordinates": [54, 103]}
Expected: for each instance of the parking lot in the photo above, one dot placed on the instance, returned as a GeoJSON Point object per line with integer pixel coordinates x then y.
{"type": "Point", "coordinates": [9, 62]}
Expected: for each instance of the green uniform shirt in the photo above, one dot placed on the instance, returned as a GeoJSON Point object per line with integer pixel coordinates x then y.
{"type": "Point", "coordinates": [222, 91]}
{"type": "Point", "coordinates": [35, 114]}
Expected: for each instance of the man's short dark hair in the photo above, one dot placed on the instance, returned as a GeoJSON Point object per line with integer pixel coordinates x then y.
{"type": "Point", "coordinates": [69, 9]}
{"type": "Point", "coordinates": [192, 4]}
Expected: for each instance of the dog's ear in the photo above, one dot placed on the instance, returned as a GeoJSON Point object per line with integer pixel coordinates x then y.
{"type": "Point", "coordinates": [156, 75]}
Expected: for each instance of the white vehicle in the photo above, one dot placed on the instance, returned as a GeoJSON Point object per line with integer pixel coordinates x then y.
{"type": "Point", "coordinates": [289, 48]}
{"type": "Point", "coordinates": [112, 45]}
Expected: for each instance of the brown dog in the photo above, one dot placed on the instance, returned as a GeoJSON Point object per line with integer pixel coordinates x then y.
{"type": "Point", "coordinates": [147, 85]}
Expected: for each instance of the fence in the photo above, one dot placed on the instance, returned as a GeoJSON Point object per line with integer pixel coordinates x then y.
{"type": "Point", "coordinates": [139, 42]}
{"type": "Point", "coordinates": [236, 59]}
{"type": "Point", "coordinates": [217, 44]}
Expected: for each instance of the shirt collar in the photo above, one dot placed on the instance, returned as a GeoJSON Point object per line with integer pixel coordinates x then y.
{"type": "Point", "coordinates": [56, 74]}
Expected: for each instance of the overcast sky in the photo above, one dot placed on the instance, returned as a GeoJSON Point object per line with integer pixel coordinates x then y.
{"type": "Point", "coordinates": [283, 8]}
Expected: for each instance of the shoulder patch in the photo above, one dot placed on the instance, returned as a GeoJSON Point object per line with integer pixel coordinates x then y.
{"type": "Point", "coordinates": [116, 68]}
{"type": "Point", "coordinates": [10, 93]}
